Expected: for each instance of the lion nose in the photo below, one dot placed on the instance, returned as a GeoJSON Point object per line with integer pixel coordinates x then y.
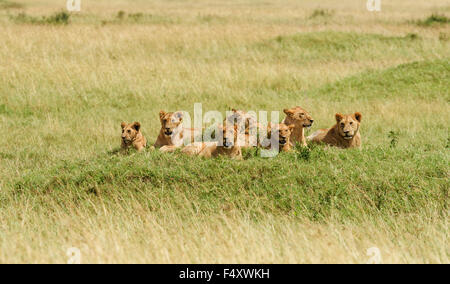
{"type": "Point", "coordinates": [346, 131]}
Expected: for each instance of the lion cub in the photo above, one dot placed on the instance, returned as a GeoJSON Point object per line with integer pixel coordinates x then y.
{"type": "Point", "coordinates": [301, 119]}
{"type": "Point", "coordinates": [283, 139]}
{"type": "Point", "coordinates": [132, 136]}
{"type": "Point", "coordinates": [172, 134]}
{"type": "Point", "coordinates": [229, 146]}
{"type": "Point", "coordinates": [344, 134]}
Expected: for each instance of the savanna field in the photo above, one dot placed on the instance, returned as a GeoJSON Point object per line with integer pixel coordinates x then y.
{"type": "Point", "coordinates": [67, 81]}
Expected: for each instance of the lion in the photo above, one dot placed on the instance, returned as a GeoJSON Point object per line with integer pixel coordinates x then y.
{"type": "Point", "coordinates": [172, 134]}
{"type": "Point", "coordinates": [228, 147]}
{"type": "Point", "coordinates": [132, 136]}
{"type": "Point", "coordinates": [283, 139]}
{"type": "Point", "coordinates": [301, 119]}
{"type": "Point", "coordinates": [344, 134]}
{"type": "Point", "coordinates": [247, 127]}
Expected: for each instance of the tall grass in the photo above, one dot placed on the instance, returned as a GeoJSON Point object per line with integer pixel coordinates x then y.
{"type": "Point", "coordinates": [64, 89]}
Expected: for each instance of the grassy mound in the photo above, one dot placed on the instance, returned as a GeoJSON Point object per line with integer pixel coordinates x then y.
{"type": "Point", "coordinates": [331, 45]}
{"type": "Point", "coordinates": [425, 80]}
{"type": "Point", "coordinates": [340, 184]}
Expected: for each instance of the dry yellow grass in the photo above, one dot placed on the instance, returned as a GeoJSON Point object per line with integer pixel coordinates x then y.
{"type": "Point", "coordinates": [65, 89]}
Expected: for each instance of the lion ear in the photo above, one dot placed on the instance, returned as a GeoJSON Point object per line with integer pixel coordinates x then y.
{"type": "Point", "coordinates": [136, 126]}
{"type": "Point", "coordinates": [358, 116]}
{"type": "Point", "coordinates": [179, 115]}
{"type": "Point", "coordinates": [288, 111]}
{"type": "Point", "coordinates": [162, 114]}
{"type": "Point", "coordinates": [234, 110]}
{"type": "Point", "coordinates": [339, 117]}
{"type": "Point", "coordinates": [123, 125]}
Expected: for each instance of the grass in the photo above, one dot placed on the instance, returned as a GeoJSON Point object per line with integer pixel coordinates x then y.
{"type": "Point", "coordinates": [318, 13]}
{"type": "Point", "coordinates": [434, 19]}
{"type": "Point", "coordinates": [10, 5]}
{"type": "Point", "coordinates": [59, 18]}
{"type": "Point", "coordinates": [65, 88]}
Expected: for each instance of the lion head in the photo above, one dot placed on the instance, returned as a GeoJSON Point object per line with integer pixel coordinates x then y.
{"type": "Point", "coordinates": [299, 116]}
{"type": "Point", "coordinates": [230, 135]}
{"type": "Point", "coordinates": [348, 125]}
{"type": "Point", "coordinates": [130, 131]}
{"type": "Point", "coordinates": [284, 132]}
{"type": "Point", "coordinates": [170, 121]}
{"type": "Point", "coordinates": [246, 121]}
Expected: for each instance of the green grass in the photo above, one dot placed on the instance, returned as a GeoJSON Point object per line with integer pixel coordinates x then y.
{"type": "Point", "coordinates": [336, 46]}
{"type": "Point", "coordinates": [67, 81]}
{"type": "Point", "coordinates": [427, 81]}
{"type": "Point", "coordinates": [10, 5]}
{"type": "Point", "coordinates": [351, 185]}
{"type": "Point", "coordinates": [434, 19]}
{"type": "Point", "coordinates": [59, 18]}
{"type": "Point", "coordinates": [315, 183]}
{"type": "Point", "coordinates": [322, 13]}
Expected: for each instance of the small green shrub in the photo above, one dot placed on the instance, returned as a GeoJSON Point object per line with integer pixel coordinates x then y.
{"type": "Point", "coordinates": [322, 13]}
{"type": "Point", "coordinates": [412, 36]}
{"type": "Point", "coordinates": [434, 19]}
{"type": "Point", "coordinates": [10, 5]}
{"type": "Point", "coordinates": [60, 18]}
{"type": "Point", "coordinates": [393, 135]}
{"type": "Point", "coordinates": [121, 15]}
{"type": "Point", "coordinates": [136, 17]}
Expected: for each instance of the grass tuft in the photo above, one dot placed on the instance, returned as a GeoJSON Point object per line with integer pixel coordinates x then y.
{"type": "Point", "coordinates": [322, 13]}
{"type": "Point", "coordinates": [393, 136]}
{"type": "Point", "coordinates": [59, 18]}
{"type": "Point", "coordinates": [434, 19]}
{"type": "Point", "coordinates": [4, 4]}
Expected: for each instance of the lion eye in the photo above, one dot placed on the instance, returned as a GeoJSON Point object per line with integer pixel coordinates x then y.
{"type": "Point", "coordinates": [129, 131]}
{"type": "Point", "coordinates": [351, 122]}
{"type": "Point", "coordinates": [342, 125]}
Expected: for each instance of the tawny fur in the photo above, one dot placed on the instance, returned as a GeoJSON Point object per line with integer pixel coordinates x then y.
{"type": "Point", "coordinates": [215, 149]}
{"type": "Point", "coordinates": [301, 119]}
{"type": "Point", "coordinates": [284, 136]}
{"type": "Point", "coordinates": [248, 127]}
{"type": "Point", "coordinates": [132, 136]}
{"type": "Point", "coordinates": [344, 134]}
{"type": "Point", "coordinates": [172, 134]}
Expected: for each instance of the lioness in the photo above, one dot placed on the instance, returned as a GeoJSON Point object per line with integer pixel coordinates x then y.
{"type": "Point", "coordinates": [229, 146]}
{"type": "Point", "coordinates": [301, 119]}
{"type": "Point", "coordinates": [247, 127]}
{"type": "Point", "coordinates": [283, 139]}
{"type": "Point", "coordinates": [132, 136]}
{"type": "Point", "coordinates": [345, 134]}
{"type": "Point", "coordinates": [172, 134]}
